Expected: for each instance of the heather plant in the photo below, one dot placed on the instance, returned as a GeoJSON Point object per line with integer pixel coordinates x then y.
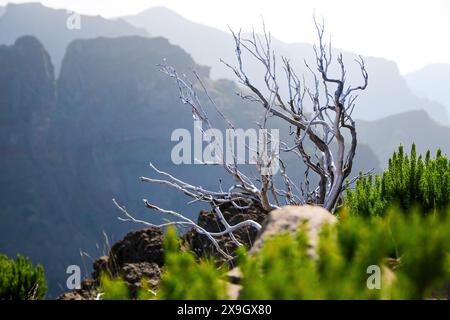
{"type": "Point", "coordinates": [408, 181]}
{"type": "Point", "coordinates": [19, 280]}
{"type": "Point", "coordinates": [185, 278]}
{"type": "Point", "coordinates": [113, 288]}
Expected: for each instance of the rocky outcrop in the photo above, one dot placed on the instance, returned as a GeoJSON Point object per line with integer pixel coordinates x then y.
{"type": "Point", "coordinates": [138, 246]}
{"type": "Point", "coordinates": [136, 258]}
{"type": "Point", "coordinates": [139, 256]}
{"type": "Point", "coordinates": [87, 291]}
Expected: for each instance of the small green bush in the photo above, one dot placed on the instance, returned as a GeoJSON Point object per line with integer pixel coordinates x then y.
{"type": "Point", "coordinates": [185, 278]}
{"type": "Point", "coordinates": [20, 281]}
{"type": "Point", "coordinates": [113, 289]}
{"type": "Point", "coordinates": [408, 181]}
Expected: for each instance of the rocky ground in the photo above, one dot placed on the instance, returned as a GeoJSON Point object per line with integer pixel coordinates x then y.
{"type": "Point", "coordinates": [140, 255]}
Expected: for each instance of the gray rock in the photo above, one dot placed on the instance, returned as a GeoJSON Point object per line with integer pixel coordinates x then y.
{"type": "Point", "coordinates": [289, 219]}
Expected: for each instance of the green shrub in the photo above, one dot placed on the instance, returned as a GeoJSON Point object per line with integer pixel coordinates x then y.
{"type": "Point", "coordinates": [412, 252]}
{"type": "Point", "coordinates": [20, 281]}
{"type": "Point", "coordinates": [113, 289]}
{"type": "Point", "coordinates": [408, 181]}
{"type": "Point", "coordinates": [185, 278]}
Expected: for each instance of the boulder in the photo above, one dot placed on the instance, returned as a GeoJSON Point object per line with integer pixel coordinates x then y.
{"type": "Point", "coordinates": [289, 219]}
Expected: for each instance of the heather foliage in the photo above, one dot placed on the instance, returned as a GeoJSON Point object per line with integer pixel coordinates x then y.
{"type": "Point", "coordinates": [408, 181]}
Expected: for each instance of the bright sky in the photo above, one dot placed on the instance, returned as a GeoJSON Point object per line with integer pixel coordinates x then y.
{"type": "Point", "coordinates": [413, 33]}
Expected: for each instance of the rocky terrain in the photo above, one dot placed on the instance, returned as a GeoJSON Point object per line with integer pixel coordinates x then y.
{"type": "Point", "coordinates": [139, 256]}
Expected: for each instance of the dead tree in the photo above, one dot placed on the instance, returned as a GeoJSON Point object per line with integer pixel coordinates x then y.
{"type": "Point", "coordinates": [319, 115]}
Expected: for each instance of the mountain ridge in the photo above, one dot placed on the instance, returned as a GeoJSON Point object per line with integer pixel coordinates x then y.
{"type": "Point", "coordinates": [208, 45]}
{"type": "Point", "coordinates": [50, 27]}
{"type": "Point", "coordinates": [431, 82]}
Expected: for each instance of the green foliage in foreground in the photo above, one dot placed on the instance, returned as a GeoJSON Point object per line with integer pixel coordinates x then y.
{"type": "Point", "coordinates": [410, 250]}
{"type": "Point", "coordinates": [409, 253]}
{"type": "Point", "coordinates": [20, 281]}
{"type": "Point", "coordinates": [187, 279]}
{"type": "Point", "coordinates": [408, 181]}
{"type": "Point", "coordinates": [113, 289]}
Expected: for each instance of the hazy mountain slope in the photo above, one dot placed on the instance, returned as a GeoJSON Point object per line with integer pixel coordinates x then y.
{"type": "Point", "coordinates": [385, 135]}
{"type": "Point", "coordinates": [432, 82]}
{"type": "Point", "coordinates": [115, 112]}
{"type": "Point", "coordinates": [29, 205]}
{"type": "Point", "coordinates": [63, 161]}
{"type": "Point", "coordinates": [387, 93]}
{"type": "Point", "coordinates": [50, 26]}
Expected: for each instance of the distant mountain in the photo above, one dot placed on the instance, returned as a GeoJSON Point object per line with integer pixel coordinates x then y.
{"type": "Point", "coordinates": [2, 10]}
{"type": "Point", "coordinates": [50, 26]}
{"type": "Point", "coordinates": [385, 135]}
{"type": "Point", "coordinates": [432, 82]}
{"type": "Point", "coordinates": [387, 94]}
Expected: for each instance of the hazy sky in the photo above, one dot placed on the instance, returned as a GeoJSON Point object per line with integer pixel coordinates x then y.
{"type": "Point", "coordinates": [413, 33]}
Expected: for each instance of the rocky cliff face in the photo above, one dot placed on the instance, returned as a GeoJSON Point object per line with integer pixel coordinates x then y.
{"type": "Point", "coordinates": [27, 103]}
{"type": "Point", "coordinates": [27, 97]}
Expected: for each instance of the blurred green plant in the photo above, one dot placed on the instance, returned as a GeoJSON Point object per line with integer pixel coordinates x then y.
{"type": "Point", "coordinates": [185, 278]}
{"type": "Point", "coordinates": [113, 288]}
{"type": "Point", "coordinates": [19, 280]}
{"type": "Point", "coordinates": [411, 252]}
{"type": "Point", "coordinates": [408, 181]}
